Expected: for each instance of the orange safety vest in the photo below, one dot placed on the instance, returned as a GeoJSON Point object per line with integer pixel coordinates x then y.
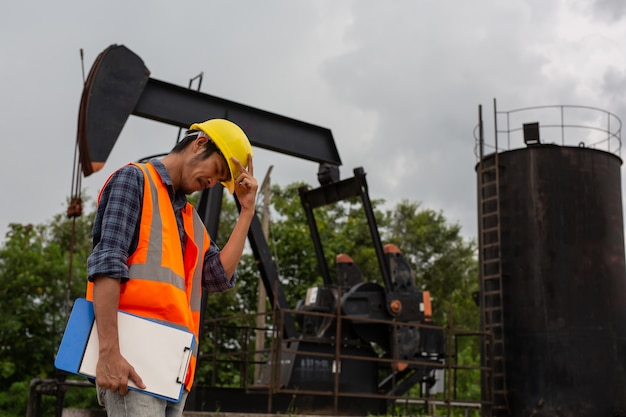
{"type": "Point", "coordinates": [164, 285]}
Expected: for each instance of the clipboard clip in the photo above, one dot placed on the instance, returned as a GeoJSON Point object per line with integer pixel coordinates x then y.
{"type": "Point", "coordinates": [184, 365]}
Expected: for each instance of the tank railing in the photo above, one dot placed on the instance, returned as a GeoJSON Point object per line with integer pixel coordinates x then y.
{"type": "Point", "coordinates": [574, 125]}
{"type": "Point", "coordinates": [40, 387]}
{"type": "Point", "coordinates": [242, 355]}
{"type": "Point", "coordinates": [232, 349]}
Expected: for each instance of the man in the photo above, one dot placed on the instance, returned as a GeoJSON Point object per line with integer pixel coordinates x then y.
{"type": "Point", "coordinates": [151, 253]}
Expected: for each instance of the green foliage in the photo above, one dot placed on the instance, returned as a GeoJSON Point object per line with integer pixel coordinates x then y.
{"type": "Point", "coordinates": [13, 399]}
{"type": "Point", "coordinates": [37, 290]}
{"type": "Point", "coordinates": [468, 354]}
{"type": "Point", "coordinates": [291, 245]}
{"type": "Point", "coordinates": [36, 282]}
{"type": "Point", "coordinates": [443, 262]}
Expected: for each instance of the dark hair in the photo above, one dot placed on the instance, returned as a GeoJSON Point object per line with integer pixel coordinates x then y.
{"type": "Point", "coordinates": [189, 137]}
{"type": "Point", "coordinates": [209, 149]}
{"type": "Point", "coordinates": [192, 135]}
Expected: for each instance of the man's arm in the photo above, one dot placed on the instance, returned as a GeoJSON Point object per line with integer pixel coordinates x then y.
{"type": "Point", "coordinates": [245, 188]}
{"type": "Point", "coordinates": [232, 250]}
{"type": "Point", "coordinates": [112, 370]}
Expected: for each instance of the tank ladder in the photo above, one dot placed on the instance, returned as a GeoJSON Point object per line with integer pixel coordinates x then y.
{"type": "Point", "coordinates": [491, 295]}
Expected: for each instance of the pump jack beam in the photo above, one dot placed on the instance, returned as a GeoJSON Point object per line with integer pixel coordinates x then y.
{"type": "Point", "coordinates": [180, 106]}
{"type": "Point", "coordinates": [119, 85]}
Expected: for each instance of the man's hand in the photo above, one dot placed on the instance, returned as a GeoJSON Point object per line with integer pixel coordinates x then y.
{"type": "Point", "coordinates": [246, 185]}
{"type": "Point", "coordinates": [113, 373]}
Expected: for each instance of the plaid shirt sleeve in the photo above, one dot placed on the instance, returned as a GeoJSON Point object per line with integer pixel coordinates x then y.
{"type": "Point", "coordinates": [214, 277]}
{"type": "Point", "coordinates": [116, 224]}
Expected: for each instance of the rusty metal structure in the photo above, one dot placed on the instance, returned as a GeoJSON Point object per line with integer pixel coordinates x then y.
{"type": "Point", "coordinates": [552, 270]}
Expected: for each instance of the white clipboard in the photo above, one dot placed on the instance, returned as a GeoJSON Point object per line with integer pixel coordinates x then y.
{"type": "Point", "coordinates": [159, 353]}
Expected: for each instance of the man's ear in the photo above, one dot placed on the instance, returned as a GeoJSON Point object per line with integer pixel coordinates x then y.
{"type": "Point", "coordinates": [200, 142]}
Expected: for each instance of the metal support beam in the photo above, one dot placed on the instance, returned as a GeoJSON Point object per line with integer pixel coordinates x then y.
{"type": "Point", "coordinates": [179, 106]}
{"type": "Point", "coordinates": [269, 275]}
{"type": "Point", "coordinates": [209, 209]}
{"type": "Point", "coordinates": [332, 193]}
{"type": "Point", "coordinates": [119, 85]}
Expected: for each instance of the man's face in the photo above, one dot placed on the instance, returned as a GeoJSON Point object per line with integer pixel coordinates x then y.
{"type": "Point", "coordinates": [202, 173]}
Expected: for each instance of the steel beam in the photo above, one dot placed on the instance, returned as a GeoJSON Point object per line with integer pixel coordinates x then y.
{"type": "Point", "coordinates": [180, 106]}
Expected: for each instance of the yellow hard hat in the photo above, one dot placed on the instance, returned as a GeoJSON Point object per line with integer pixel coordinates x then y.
{"type": "Point", "coordinates": [231, 141]}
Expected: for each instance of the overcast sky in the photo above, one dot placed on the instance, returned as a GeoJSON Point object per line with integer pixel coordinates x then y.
{"type": "Point", "coordinates": [398, 82]}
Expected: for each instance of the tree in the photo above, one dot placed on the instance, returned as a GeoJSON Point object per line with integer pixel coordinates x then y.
{"type": "Point", "coordinates": [36, 288]}
{"type": "Point", "coordinates": [35, 265]}
{"type": "Point", "coordinates": [443, 262]}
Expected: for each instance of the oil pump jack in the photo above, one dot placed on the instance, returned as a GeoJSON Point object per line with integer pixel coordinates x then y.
{"type": "Point", "coordinates": [377, 321]}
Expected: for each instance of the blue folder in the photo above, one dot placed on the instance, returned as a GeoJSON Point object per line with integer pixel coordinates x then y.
{"type": "Point", "coordinates": [159, 353]}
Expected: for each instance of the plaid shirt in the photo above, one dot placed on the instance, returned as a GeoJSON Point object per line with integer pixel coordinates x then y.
{"type": "Point", "coordinates": [116, 228]}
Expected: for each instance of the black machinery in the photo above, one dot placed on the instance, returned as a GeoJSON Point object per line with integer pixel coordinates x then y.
{"type": "Point", "coordinates": [381, 322]}
{"type": "Point", "coordinates": [387, 324]}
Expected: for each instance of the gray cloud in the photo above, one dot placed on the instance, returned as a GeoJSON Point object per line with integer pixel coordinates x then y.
{"type": "Point", "coordinates": [611, 10]}
{"type": "Point", "coordinates": [398, 83]}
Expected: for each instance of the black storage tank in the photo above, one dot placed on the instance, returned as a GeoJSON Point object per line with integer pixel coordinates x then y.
{"type": "Point", "coordinates": [563, 280]}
